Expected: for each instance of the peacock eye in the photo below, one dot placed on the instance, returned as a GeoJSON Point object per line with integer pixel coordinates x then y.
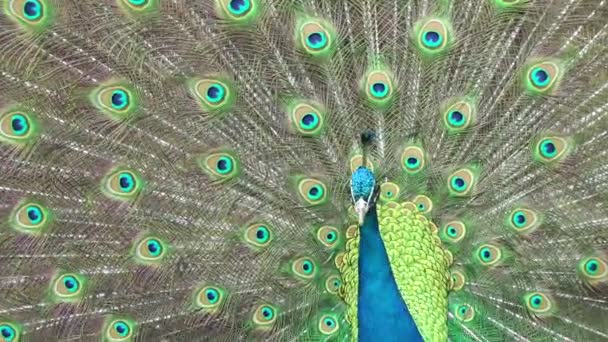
{"type": "Point", "coordinates": [209, 298]}
{"type": "Point", "coordinates": [261, 234]}
{"type": "Point", "coordinates": [309, 121]}
{"type": "Point", "coordinates": [154, 247]}
{"type": "Point", "coordinates": [116, 101]}
{"type": "Point", "coordinates": [238, 11]}
{"type": "Point", "coordinates": [332, 284]}
{"type": "Point", "coordinates": [592, 266]}
{"type": "Point", "coordinates": [315, 37]}
{"type": "Point", "coordinates": [536, 301]}
{"type": "Point", "coordinates": [68, 287]}
{"type": "Point", "coordinates": [453, 231]}
{"type": "Point", "coordinates": [304, 268]}
{"type": "Point", "coordinates": [432, 39]}
{"type": "Point", "coordinates": [17, 127]}
{"type": "Point", "coordinates": [19, 124]}
{"type": "Point", "coordinates": [150, 250]}
{"type": "Point", "coordinates": [423, 203]}
{"type": "Point", "coordinates": [316, 40]}
{"type": "Point", "coordinates": [459, 115]}
{"type": "Point", "coordinates": [122, 184]}
{"type": "Point", "coordinates": [212, 295]}
{"type": "Point", "coordinates": [412, 159]}
{"type": "Point", "coordinates": [34, 214]}
{"type": "Point", "coordinates": [456, 118]}
{"type": "Point", "coordinates": [120, 329]}
{"type": "Point", "coordinates": [71, 284]}
{"type": "Point", "coordinates": [312, 191]}
{"type": "Point", "coordinates": [258, 235]}
{"type": "Point", "coordinates": [489, 255]}
{"type": "Point", "coordinates": [432, 35]}
{"type": "Point", "coordinates": [538, 304]}
{"type": "Point", "coordinates": [220, 166]}
{"type": "Point", "coordinates": [542, 77]}
{"type": "Point", "coordinates": [265, 315]}
{"type": "Point", "coordinates": [126, 182]}
{"type": "Point", "coordinates": [7, 332]}
{"type": "Point", "coordinates": [458, 280]}
{"type": "Point", "coordinates": [32, 10]}
{"type": "Point", "coordinates": [215, 93]}
{"type": "Point", "coordinates": [551, 148]}
{"type": "Point", "coordinates": [223, 165]}
{"type": "Point", "coordinates": [461, 182]}
{"type": "Point", "coordinates": [548, 149]}
{"type": "Point", "coordinates": [119, 99]}
{"type": "Point", "coordinates": [328, 236]}
{"type": "Point", "coordinates": [239, 7]}
{"type": "Point", "coordinates": [307, 267]}
{"type": "Point", "coordinates": [465, 313]}
{"type": "Point", "coordinates": [379, 89]}
{"type": "Point", "coordinates": [389, 191]}
{"type": "Point", "coordinates": [328, 324]}
{"type": "Point", "coordinates": [315, 192]}
{"type": "Point", "coordinates": [30, 217]}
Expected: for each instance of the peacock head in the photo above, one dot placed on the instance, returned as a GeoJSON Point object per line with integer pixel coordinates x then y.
{"type": "Point", "coordinates": [363, 191]}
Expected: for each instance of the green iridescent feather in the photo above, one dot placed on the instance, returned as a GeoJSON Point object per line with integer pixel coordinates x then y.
{"type": "Point", "coordinates": [171, 169]}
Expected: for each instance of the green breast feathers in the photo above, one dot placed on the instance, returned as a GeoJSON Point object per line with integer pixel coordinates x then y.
{"type": "Point", "coordinates": [419, 264]}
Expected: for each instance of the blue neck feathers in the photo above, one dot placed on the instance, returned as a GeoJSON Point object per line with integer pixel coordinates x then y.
{"type": "Point", "coordinates": [382, 313]}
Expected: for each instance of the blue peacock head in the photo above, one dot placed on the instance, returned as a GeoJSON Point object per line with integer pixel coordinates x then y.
{"type": "Point", "coordinates": [363, 191]}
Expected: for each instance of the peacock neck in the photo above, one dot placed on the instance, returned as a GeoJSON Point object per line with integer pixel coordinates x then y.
{"type": "Point", "coordinates": [382, 312]}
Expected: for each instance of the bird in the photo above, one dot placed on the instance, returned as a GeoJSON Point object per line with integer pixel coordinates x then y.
{"type": "Point", "coordinates": [303, 170]}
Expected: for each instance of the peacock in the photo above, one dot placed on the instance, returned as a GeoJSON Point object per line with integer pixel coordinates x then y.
{"type": "Point", "coordinates": [303, 170]}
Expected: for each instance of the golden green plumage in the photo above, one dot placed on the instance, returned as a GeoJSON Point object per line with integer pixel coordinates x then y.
{"type": "Point", "coordinates": [180, 170]}
{"type": "Point", "coordinates": [418, 262]}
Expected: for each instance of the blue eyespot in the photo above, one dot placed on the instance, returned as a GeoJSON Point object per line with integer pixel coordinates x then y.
{"type": "Point", "coordinates": [316, 40]}
{"type": "Point", "coordinates": [540, 77]}
{"type": "Point", "coordinates": [456, 118]}
{"type": "Point", "coordinates": [71, 284]}
{"type": "Point", "coordinates": [212, 296]}
{"type": "Point", "coordinates": [268, 313]}
{"type": "Point", "coordinates": [32, 9]}
{"type": "Point", "coordinates": [310, 121]}
{"type": "Point", "coordinates": [307, 266]}
{"type": "Point", "coordinates": [432, 39]}
{"type": "Point", "coordinates": [548, 149]}
{"type": "Point", "coordinates": [315, 192]}
{"type": "Point", "coordinates": [215, 93]}
{"type": "Point", "coordinates": [120, 99]}
{"type": "Point", "coordinates": [19, 124]}
{"type": "Point", "coordinates": [379, 89]}
{"type": "Point", "coordinates": [224, 165]}
{"type": "Point", "coordinates": [154, 247]}
{"type": "Point", "coordinates": [126, 182]}
{"type": "Point", "coordinates": [7, 332]}
{"type": "Point", "coordinates": [34, 214]}
{"type": "Point", "coordinates": [458, 184]}
{"type": "Point", "coordinates": [121, 328]}
{"type": "Point", "coordinates": [519, 219]}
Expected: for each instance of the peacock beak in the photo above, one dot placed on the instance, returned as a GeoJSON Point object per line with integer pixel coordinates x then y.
{"type": "Point", "coordinates": [361, 208]}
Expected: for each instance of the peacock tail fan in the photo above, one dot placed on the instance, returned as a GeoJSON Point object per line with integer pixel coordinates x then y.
{"type": "Point", "coordinates": [303, 170]}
